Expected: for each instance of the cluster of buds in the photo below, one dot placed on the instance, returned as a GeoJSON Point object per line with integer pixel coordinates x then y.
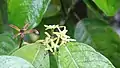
{"type": "Point", "coordinates": [56, 38]}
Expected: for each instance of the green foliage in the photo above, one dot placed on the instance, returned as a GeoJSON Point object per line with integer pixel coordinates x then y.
{"type": "Point", "coordinates": [54, 49]}
{"type": "Point", "coordinates": [79, 55]}
{"type": "Point", "coordinates": [52, 10]}
{"type": "Point", "coordinates": [101, 36]}
{"type": "Point", "coordinates": [21, 11]}
{"type": "Point", "coordinates": [14, 62]}
{"type": "Point", "coordinates": [7, 44]}
{"type": "Point", "coordinates": [109, 7]}
{"type": "Point", "coordinates": [34, 53]}
{"type": "Point", "coordinates": [72, 55]}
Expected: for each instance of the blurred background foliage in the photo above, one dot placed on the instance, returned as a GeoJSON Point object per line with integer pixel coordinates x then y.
{"type": "Point", "coordinates": [88, 21]}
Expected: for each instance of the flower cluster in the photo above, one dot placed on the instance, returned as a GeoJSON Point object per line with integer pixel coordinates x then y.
{"type": "Point", "coordinates": [56, 38]}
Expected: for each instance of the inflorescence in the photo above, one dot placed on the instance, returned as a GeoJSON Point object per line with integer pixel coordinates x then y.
{"type": "Point", "coordinates": [56, 37]}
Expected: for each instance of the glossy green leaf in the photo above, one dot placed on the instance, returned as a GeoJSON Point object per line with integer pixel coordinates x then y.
{"type": "Point", "coordinates": [22, 10]}
{"type": "Point", "coordinates": [7, 44]}
{"type": "Point", "coordinates": [92, 11]}
{"type": "Point", "coordinates": [109, 7]}
{"type": "Point", "coordinates": [101, 36]}
{"type": "Point", "coordinates": [34, 53]}
{"type": "Point", "coordinates": [79, 55]}
{"type": "Point", "coordinates": [14, 62]}
{"type": "Point", "coordinates": [52, 10]}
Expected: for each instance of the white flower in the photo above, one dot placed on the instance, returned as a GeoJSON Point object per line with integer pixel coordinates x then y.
{"type": "Point", "coordinates": [49, 48]}
{"type": "Point", "coordinates": [54, 45]}
{"type": "Point", "coordinates": [53, 42]}
{"type": "Point", "coordinates": [62, 35]}
{"type": "Point", "coordinates": [48, 35]}
{"type": "Point", "coordinates": [51, 26]}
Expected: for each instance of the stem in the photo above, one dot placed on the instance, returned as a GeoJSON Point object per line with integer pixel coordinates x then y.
{"type": "Point", "coordinates": [63, 9]}
{"type": "Point", "coordinates": [58, 40]}
{"type": "Point", "coordinates": [21, 41]}
{"type": "Point", "coordinates": [53, 61]}
{"type": "Point", "coordinates": [68, 12]}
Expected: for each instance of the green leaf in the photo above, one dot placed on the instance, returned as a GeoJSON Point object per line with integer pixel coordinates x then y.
{"type": "Point", "coordinates": [109, 7]}
{"type": "Point", "coordinates": [14, 62]}
{"type": "Point", "coordinates": [92, 10]}
{"type": "Point", "coordinates": [7, 44]}
{"type": "Point", "coordinates": [100, 36]}
{"type": "Point", "coordinates": [22, 10]}
{"type": "Point", "coordinates": [34, 53]}
{"type": "Point", "coordinates": [79, 55]}
{"type": "Point", "coordinates": [52, 10]}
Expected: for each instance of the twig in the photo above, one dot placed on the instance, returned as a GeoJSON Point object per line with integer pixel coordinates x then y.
{"type": "Point", "coordinates": [67, 14]}
{"type": "Point", "coordinates": [63, 9]}
{"type": "Point", "coordinates": [21, 41]}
